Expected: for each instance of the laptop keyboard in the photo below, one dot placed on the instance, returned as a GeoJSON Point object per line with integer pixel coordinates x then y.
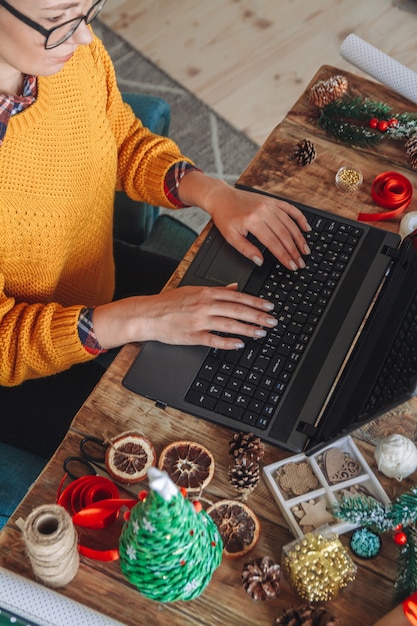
{"type": "Point", "coordinates": [248, 384]}
{"type": "Point", "coordinates": [400, 368]}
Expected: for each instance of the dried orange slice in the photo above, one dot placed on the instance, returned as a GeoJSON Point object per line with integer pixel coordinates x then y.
{"type": "Point", "coordinates": [129, 456]}
{"type": "Point", "coordinates": [238, 525]}
{"type": "Point", "coordinates": [188, 464]}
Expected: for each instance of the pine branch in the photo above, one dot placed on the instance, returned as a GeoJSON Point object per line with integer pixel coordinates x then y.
{"type": "Point", "coordinates": [347, 120]}
{"type": "Point", "coordinates": [404, 508]}
{"type": "Point", "coordinates": [406, 582]}
{"type": "Point", "coordinates": [365, 511]}
{"type": "Point", "coordinates": [357, 108]}
{"type": "Point", "coordinates": [349, 134]}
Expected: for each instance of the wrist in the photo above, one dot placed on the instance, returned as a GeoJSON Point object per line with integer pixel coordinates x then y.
{"type": "Point", "coordinates": [120, 322]}
{"type": "Point", "coordinates": [197, 189]}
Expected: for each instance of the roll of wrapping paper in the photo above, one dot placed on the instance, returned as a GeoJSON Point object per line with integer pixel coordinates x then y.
{"type": "Point", "coordinates": [384, 68]}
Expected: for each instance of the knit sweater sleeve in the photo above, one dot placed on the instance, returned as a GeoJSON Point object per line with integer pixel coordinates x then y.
{"type": "Point", "coordinates": [37, 340]}
{"type": "Point", "coordinates": [144, 158]}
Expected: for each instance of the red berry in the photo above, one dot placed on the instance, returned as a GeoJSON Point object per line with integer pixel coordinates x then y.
{"type": "Point", "coordinates": [400, 538]}
{"type": "Point", "coordinates": [393, 123]}
{"type": "Point", "coordinates": [373, 122]}
{"type": "Point", "coordinates": [383, 126]}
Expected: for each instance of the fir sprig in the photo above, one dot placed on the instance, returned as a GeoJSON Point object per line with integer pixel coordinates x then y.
{"type": "Point", "coordinates": [364, 511]}
{"type": "Point", "coordinates": [404, 509]}
{"type": "Point", "coordinates": [406, 582]}
{"type": "Point", "coordinates": [347, 119]}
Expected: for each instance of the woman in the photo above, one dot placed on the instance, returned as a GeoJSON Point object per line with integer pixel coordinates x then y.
{"type": "Point", "coordinates": [67, 142]}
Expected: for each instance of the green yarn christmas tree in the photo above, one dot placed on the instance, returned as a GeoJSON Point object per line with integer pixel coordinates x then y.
{"type": "Point", "coordinates": [169, 548]}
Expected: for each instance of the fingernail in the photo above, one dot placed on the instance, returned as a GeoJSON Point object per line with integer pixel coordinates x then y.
{"type": "Point", "coordinates": [307, 249]}
{"type": "Point", "coordinates": [271, 321]}
{"type": "Point", "coordinates": [293, 266]}
{"type": "Point", "coordinates": [239, 345]}
{"type": "Point", "coordinates": [257, 261]}
{"type": "Point", "coordinates": [268, 306]}
{"type": "Point", "coordinates": [260, 333]}
{"type": "Point", "coordinates": [301, 263]}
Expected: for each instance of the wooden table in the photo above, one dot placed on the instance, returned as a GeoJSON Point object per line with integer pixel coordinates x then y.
{"type": "Point", "coordinates": [111, 409]}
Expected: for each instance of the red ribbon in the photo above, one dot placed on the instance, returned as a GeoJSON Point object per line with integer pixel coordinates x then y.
{"type": "Point", "coordinates": [390, 190]}
{"type": "Point", "coordinates": [94, 502]}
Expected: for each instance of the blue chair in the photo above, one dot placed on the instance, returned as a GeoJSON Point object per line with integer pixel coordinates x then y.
{"type": "Point", "coordinates": [18, 470]}
{"type": "Point", "coordinates": [134, 221]}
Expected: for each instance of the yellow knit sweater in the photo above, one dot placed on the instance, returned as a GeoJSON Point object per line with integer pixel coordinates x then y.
{"type": "Point", "coordinates": [60, 163]}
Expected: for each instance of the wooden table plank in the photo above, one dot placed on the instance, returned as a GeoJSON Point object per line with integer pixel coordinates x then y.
{"type": "Point", "coordinates": [111, 409]}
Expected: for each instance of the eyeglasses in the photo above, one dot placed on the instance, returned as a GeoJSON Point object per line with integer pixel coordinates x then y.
{"type": "Point", "coordinates": [57, 35]}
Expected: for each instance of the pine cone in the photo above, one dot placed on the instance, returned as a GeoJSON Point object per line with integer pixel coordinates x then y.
{"type": "Point", "coordinates": [411, 151]}
{"type": "Point", "coordinates": [260, 578]}
{"type": "Point", "coordinates": [326, 91]}
{"type": "Point", "coordinates": [244, 475]}
{"type": "Point", "coordinates": [306, 614]}
{"type": "Point", "coordinates": [248, 445]}
{"type": "Point", "coordinates": [304, 152]}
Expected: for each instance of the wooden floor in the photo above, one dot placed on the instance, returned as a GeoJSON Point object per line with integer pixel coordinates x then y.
{"type": "Point", "coordinates": [250, 59]}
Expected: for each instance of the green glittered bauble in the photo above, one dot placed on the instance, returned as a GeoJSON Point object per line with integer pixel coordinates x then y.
{"type": "Point", "coordinates": [168, 550]}
{"type": "Point", "coordinates": [365, 543]}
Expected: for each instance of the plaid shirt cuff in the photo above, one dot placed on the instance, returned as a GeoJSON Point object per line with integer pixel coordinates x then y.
{"type": "Point", "coordinates": [173, 179]}
{"type": "Point", "coordinates": [86, 332]}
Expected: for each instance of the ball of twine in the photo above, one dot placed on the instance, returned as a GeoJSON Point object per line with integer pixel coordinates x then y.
{"type": "Point", "coordinates": [396, 456]}
{"type": "Point", "coordinates": [52, 545]}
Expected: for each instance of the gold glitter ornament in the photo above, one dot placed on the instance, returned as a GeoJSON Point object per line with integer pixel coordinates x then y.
{"type": "Point", "coordinates": [318, 567]}
{"type": "Point", "coordinates": [348, 178]}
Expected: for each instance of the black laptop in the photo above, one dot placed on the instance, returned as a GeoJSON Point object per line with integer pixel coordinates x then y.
{"type": "Point", "coordinates": [344, 350]}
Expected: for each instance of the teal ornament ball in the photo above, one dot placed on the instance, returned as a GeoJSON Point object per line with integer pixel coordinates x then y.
{"type": "Point", "coordinates": [169, 548]}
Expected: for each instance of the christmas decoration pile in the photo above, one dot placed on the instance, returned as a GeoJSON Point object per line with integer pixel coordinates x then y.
{"type": "Point", "coordinates": [247, 451]}
{"type": "Point", "coordinates": [399, 518]}
{"type": "Point", "coordinates": [169, 548]}
{"type": "Point", "coordinates": [361, 121]}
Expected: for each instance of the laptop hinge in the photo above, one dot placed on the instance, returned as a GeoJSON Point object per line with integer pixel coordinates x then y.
{"type": "Point", "coordinates": [307, 429]}
{"type": "Point", "coordinates": [393, 253]}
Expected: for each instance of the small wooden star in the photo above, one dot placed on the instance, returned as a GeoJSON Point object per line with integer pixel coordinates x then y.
{"type": "Point", "coordinates": [316, 514]}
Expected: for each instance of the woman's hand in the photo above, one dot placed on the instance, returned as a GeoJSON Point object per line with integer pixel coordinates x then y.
{"type": "Point", "coordinates": [186, 316]}
{"type": "Point", "coordinates": [278, 225]}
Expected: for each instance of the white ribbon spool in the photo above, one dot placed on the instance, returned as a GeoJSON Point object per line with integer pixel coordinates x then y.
{"type": "Point", "coordinates": [396, 456]}
{"type": "Point", "coordinates": [408, 224]}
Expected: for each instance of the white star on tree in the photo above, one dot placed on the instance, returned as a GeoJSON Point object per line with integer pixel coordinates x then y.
{"type": "Point", "coordinates": [131, 553]}
{"type": "Point", "coordinates": [190, 586]}
{"type": "Point", "coordinates": [148, 526]}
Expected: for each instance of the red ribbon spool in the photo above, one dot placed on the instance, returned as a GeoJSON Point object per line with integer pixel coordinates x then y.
{"type": "Point", "coordinates": [390, 190]}
{"type": "Point", "coordinates": [94, 502]}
